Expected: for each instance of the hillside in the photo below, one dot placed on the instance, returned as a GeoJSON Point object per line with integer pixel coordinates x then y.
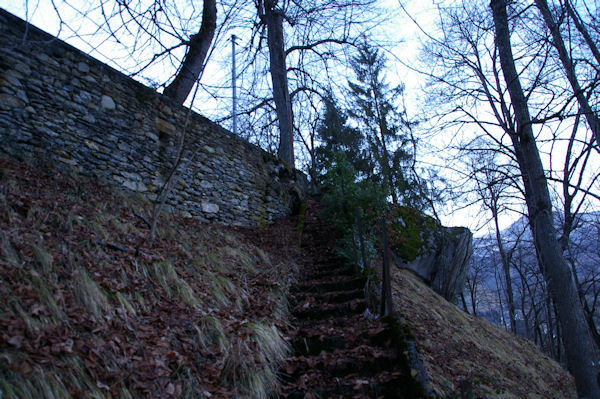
{"type": "Point", "coordinates": [456, 347]}
{"type": "Point", "coordinates": [88, 308]}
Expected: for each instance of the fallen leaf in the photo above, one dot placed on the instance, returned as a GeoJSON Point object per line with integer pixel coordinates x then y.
{"type": "Point", "coordinates": [170, 389]}
{"type": "Point", "coordinates": [16, 341]}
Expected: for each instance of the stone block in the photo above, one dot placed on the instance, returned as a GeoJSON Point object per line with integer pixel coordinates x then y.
{"type": "Point", "coordinates": [107, 103]}
{"type": "Point", "coordinates": [164, 126]}
{"type": "Point", "coordinates": [8, 101]}
{"type": "Point", "coordinates": [83, 67]}
{"type": "Point", "coordinates": [89, 118]}
{"type": "Point", "coordinates": [22, 68]}
{"type": "Point", "coordinates": [208, 207]}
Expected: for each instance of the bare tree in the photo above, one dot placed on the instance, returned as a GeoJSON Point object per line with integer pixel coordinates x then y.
{"type": "Point", "coordinates": [142, 38]}
{"type": "Point", "coordinates": [193, 63]}
{"type": "Point", "coordinates": [578, 345]}
{"type": "Point", "coordinates": [473, 284]}
{"type": "Point", "coordinates": [583, 30]}
{"type": "Point", "coordinates": [569, 67]}
{"type": "Point", "coordinates": [273, 16]}
{"type": "Point", "coordinates": [302, 45]}
{"type": "Point", "coordinates": [491, 185]}
{"type": "Point", "coordinates": [478, 89]}
{"type": "Point", "coordinates": [307, 43]}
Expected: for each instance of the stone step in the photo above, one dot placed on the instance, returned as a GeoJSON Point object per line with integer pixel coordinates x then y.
{"type": "Point", "coordinates": [315, 311]}
{"type": "Point", "coordinates": [333, 270]}
{"type": "Point", "coordinates": [338, 351]}
{"type": "Point", "coordinates": [385, 385]}
{"type": "Point", "coordinates": [345, 324]}
{"type": "Point", "coordinates": [308, 342]}
{"type": "Point", "coordinates": [327, 297]}
{"type": "Point", "coordinates": [326, 285]}
{"type": "Point", "coordinates": [364, 361]}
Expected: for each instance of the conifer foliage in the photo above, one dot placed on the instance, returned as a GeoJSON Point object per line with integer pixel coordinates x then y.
{"type": "Point", "coordinates": [371, 134]}
{"type": "Point", "coordinates": [363, 162]}
{"type": "Point", "coordinates": [374, 107]}
{"type": "Point", "coordinates": [337, 136]}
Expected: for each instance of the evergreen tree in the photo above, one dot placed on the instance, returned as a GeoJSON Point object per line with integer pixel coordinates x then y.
{"type": "Point", "coordinates": [336, 136]}
{"type": "Point", "coordinates": [344, 193]}
{"type": "Point", "coordinates": [373, 108]}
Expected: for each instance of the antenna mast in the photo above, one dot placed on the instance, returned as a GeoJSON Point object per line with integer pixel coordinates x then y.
{"type": "Point", "coordinates": [233, 88]}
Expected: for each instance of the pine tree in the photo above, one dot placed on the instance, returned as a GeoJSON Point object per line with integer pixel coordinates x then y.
{"type": "Point", "coordinates": [373, 108]}
{"type": "Point", "coordinates": [335, 136]}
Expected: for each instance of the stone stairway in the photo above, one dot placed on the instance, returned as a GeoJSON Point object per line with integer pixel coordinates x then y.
{"type": "Point", "coordinates": [339, 351]}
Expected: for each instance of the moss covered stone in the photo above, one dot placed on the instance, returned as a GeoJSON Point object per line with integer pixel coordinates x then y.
{"type": "Point", "coordinates": [411, 231]}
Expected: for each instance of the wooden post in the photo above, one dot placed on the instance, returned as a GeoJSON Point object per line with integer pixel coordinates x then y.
{"type": "Point", "coordinates": [361, 238]}
{"type": "Point", "coordinates": [355, 254]}
{"type": "Point", "coordinates": [387, 306]}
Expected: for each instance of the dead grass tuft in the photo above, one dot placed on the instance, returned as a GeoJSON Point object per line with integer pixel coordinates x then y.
{"type": "Point", "coordinates": [175, 286]}
{"type": "Point", "coordinates": [89, 294]}
{"type": "Point", "coordinates": [197, 314]}
{"type": "Point", "coordinates": [211, 334]}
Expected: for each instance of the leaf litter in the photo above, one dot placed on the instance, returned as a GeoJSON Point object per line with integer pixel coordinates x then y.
{"type": "Point", "coordinates": [88, 308]}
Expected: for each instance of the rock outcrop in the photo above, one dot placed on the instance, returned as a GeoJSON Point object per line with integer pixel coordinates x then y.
{"type": "Point", "coordinates": [438, 254]}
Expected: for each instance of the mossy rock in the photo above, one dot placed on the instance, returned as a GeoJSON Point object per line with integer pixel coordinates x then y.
{"type": "Point", "coordinates": [410, 231]}
{"type": "Point", "coordinates": [416, 383]}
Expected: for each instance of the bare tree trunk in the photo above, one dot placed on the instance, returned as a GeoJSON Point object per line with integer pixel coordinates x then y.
{"type": "Point", "coordinates": [578, 344]}
{"type": "Point", "coordinates": [569, 225]}
{"type": "Point", "coordinates": [361, 238]}
{"type": "Point", "coordinates": [506, 268]}
{"type": "Point", "coordinates": [567, 62]}
{"type": "Point", "coordinates": [171, 180]}
{"type": "Point", "coordinates": [499, 292]}
{"type": "Point", "coordinates": [525, 314]}
{"type": "Point", "coordinates": [584, 32]}
{"type": "Point", "coordinates": [549, 319]}
{"type": "Point", "coordinates": [193, 62]}
{"type": "Point", "coordinates": [559, 337]}
{"type": "Point", "coordinates": [387, 306]}
{"type": "Point", "coordinates": [273, 18]}
{"type": "Point", "coordinates": [473, 302]}
{"type": "Point", "coordinates": [464, 302]}
{"type": "Point", "coordinates": [586, 307]}
{"type": "Point", "coordinates": [526, 286]}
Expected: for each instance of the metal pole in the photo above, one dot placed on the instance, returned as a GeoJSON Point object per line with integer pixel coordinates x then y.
{"type": "Point", "coordinates": [234, 111]}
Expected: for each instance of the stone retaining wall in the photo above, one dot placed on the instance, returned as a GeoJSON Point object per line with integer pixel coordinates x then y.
{"type": "Point", "coordinates": [65, 109]}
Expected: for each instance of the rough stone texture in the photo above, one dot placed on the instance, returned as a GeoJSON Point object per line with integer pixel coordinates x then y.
{"type": "Point", "coordinates": [443, 263]}
{"type": "Point", "coordinates": [65, 109]}
{"type": "Point", "coordinates": [448, 277]}
{"type": "Point", "coordinates": [438, 254]}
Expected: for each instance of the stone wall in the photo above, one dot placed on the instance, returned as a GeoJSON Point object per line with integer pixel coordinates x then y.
{"type": "Point", "coordinates": [67, 110]}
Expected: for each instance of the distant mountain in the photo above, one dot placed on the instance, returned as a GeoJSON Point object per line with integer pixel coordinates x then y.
{"type": "Point", "coordinates": [583, 253]}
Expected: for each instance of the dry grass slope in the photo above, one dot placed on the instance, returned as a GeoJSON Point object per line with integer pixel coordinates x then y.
{"type": "Point", "coordinates": [89, 309]}
{"type": "Point", "coordinates": [456, 346]}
